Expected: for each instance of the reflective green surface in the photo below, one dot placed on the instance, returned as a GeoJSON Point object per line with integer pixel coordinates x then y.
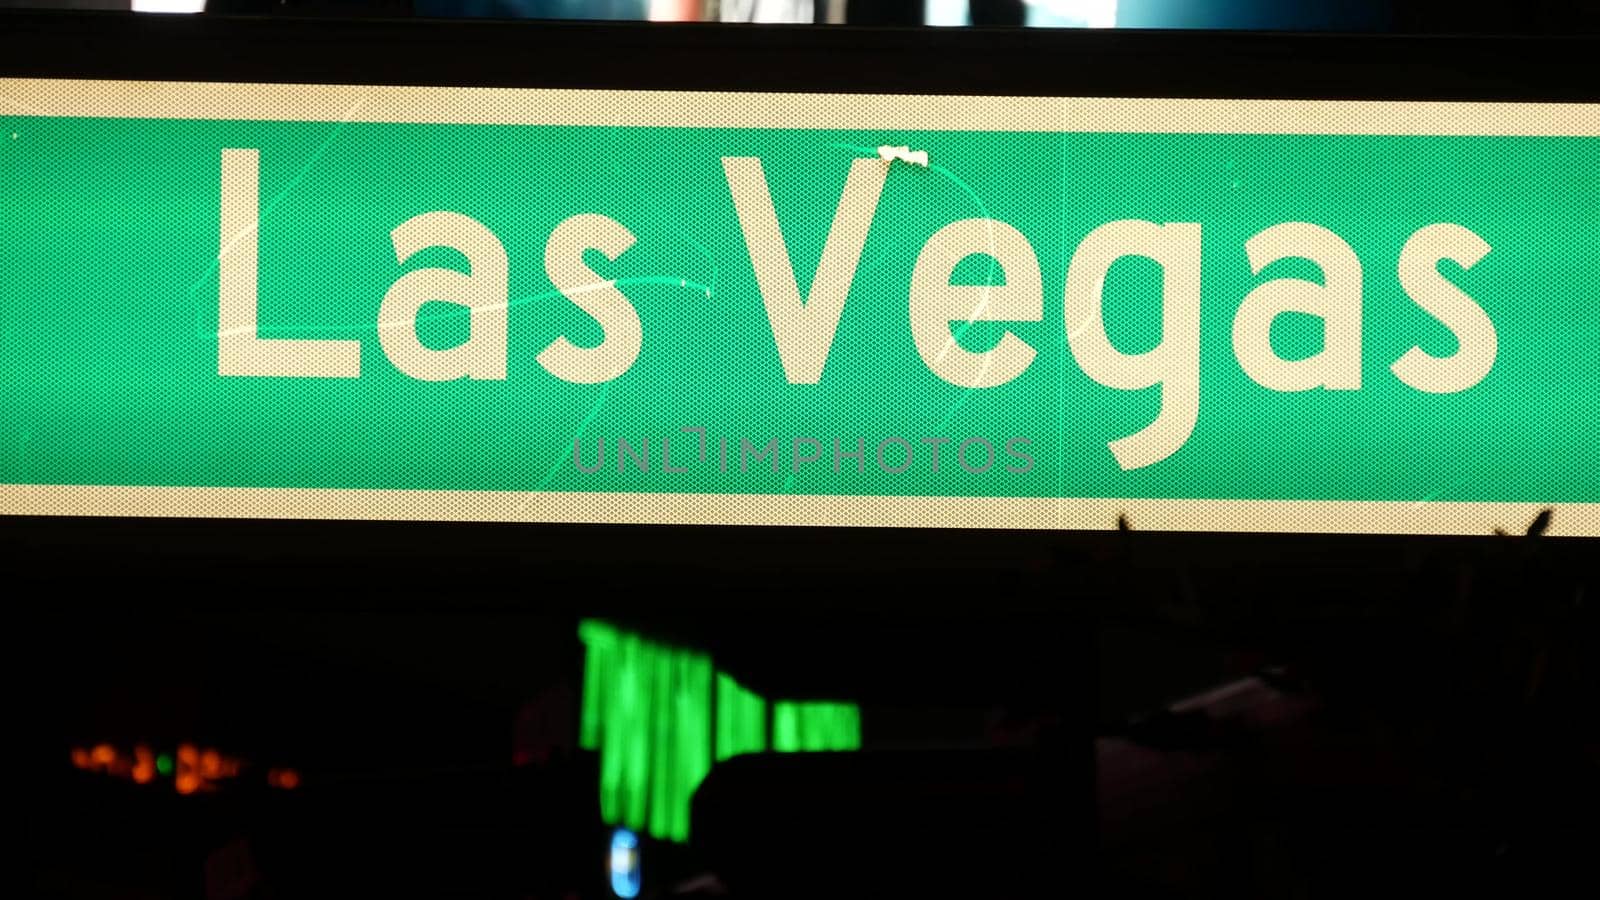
{"type": "Point", "coordinates": [109, 235]}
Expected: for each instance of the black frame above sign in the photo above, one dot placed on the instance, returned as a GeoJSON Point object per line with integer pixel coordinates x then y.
{"type": "Point", "coordinates": [831, 59]}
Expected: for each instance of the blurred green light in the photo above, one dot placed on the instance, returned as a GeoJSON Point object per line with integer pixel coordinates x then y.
{"type": "Point", "coordinates": [164, 764]}
{"type": "Point", "coordinates": [815, 726]}
{"type": "Point", "coordinates": [647, 710]}
{"type": "Point", "coordinates": [652, 714]}
{"type": "Point", "coordinates": [741, 719]}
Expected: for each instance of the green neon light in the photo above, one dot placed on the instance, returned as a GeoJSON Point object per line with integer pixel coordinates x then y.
{"type": "Point", "coordinates": [647, 710]}
{"type": "Point", "coordinates": [741, 719]}
{"type": "Point", "coordinates": [815, 726]}
{"type": "Point", "coordinates": [651, 712]}
{"type": "Point", "coordinates": [164, 764]}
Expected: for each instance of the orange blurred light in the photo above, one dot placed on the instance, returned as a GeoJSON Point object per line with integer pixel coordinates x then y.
{"type": "Point", "coordinates": [187, 780]}
{"type": "Point", "coordinates": [193, 769]}
{"type": "Point", "coordinates": [288, 779]}
{"type": "Point", "coordinates": [144, 764]}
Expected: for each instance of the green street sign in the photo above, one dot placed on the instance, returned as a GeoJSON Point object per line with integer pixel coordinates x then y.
{"type": "Point", "coordinates": [603, 306]}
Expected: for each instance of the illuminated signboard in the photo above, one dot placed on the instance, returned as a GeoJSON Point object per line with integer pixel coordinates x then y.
{"type": "Point", "coordinates": [314, 301]}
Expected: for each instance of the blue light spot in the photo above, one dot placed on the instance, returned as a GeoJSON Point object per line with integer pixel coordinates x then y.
{"type": "Point", "coordinates": [625, 864]}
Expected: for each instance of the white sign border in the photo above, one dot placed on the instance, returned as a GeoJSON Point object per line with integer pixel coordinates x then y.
{"type": "Point", "coordinates": [714, 109]}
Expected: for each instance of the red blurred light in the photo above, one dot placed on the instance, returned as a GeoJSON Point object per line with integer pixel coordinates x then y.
{"type": "Point", "coordinates": [144, 765]}
{"type": "Point", "coordinates": [196, 769]}
{"type": "Point", "coordinates": [283, 779]}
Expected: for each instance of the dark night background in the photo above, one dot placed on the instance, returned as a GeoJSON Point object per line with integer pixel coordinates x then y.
{"type": "Point", "coordinates": [1400, 714]}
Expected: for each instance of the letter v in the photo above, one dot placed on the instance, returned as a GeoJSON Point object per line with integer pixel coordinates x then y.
{"type": "Point", "coordinates": [804, 329]}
